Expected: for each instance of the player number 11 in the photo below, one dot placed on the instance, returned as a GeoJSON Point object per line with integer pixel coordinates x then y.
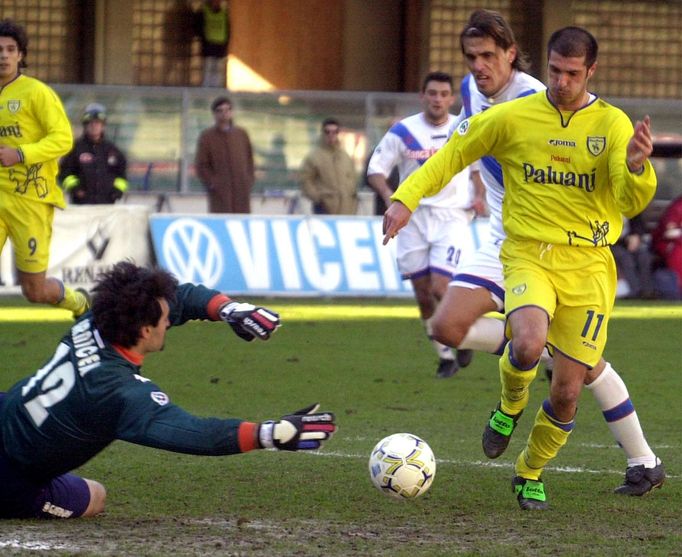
{"type": "Point", "coordinates": [588, 324]}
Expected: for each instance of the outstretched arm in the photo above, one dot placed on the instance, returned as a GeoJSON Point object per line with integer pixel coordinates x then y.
{"type": "Point", "coordinates": [396, 216]}
{"type": "Point", "coordinates": [149, 418]}
{"type": "Point", "coordinates": [247, 320]}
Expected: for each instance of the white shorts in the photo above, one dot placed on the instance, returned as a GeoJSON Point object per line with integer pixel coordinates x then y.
{"type": "Point", "coordinates": [433, 241]}
{"type": "Point", "coordinates": [484, 270]}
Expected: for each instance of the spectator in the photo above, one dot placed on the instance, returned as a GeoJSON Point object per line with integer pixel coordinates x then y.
{"type": "Point", "coordinates": [634, 259]}
{"type": "Point", "coordinates": [224, 162]}
{"type": "Point", "coordinates": [667, 242]}
{"type": "Point", "coordinates": [328, 175]}
{"type": "Point", "coordinates": [94, 172]}
{"type": "Point", "coordinates": [213, 28]}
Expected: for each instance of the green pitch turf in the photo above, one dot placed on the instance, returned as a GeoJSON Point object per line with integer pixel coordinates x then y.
{"type": "Point", "coordinates": [369, 362]}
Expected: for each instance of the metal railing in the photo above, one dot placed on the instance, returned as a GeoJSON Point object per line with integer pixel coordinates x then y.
{"type": "Point", "coordinates": [158, 127]}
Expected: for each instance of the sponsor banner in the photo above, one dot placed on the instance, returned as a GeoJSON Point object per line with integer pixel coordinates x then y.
{"type": "Point", "coordinates": [87, 239]}
{"type": "Point", "coordinates": [282, 255]}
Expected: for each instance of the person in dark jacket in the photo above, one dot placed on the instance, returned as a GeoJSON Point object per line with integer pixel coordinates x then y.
{"type": "Point", "coordinates": [94, 172]}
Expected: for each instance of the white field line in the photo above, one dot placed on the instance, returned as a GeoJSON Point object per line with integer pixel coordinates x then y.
{"type": "Point", "coordinates": [36, 545]}
{"type": "Point", "coordinates": [482, 464]}
{"type": "Point", "coordinates": [363, 438]}
{"type": "Point", "coordinates": [609, 446]}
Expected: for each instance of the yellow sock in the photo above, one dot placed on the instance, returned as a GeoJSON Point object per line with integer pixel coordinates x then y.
{"type": "Point", "coordinates": [546, 438]}
{"type": "Point", "coordinates": [515, 383]}
{"type": "Point", "coordinates": [74, 301]}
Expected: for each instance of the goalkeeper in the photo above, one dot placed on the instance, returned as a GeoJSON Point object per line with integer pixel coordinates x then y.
{"type": "Point", "coordinates": [92, 392]}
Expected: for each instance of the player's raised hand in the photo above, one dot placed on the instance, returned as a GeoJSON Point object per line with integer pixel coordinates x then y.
{"type": "Point", "coordinates": [249, 321]}
{"type": "Point", "coordinates": [640, 146]}
{"type": "Point", "coordinates": [303, 430]}
{"type": "Point", "coordinates": [396, 216]}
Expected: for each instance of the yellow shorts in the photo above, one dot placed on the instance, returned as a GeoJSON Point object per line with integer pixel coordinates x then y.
{"type": "Point", "coordinates": [28, 225]}
{"type": "Point", "coordinates": [575, 286]}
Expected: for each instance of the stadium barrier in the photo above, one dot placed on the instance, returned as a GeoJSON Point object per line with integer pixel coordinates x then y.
{"type": "Point", "coordinates": [278, 255]}
{"type": "Point", "coordinates": [87, 239]}
{"type": "Point", "coordinates": [285, 255]}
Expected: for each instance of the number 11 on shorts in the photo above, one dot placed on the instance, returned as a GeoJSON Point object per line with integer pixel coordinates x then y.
{"type": "Point", "coordinates": [588, 324]}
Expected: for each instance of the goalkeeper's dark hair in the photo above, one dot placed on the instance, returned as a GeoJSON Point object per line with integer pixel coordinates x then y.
{"type": "Point", "coordinates": [126, 299]}
{"type": "Point", "coordinates": [489, 23]}
{"type": "Point", "coordinates": [8, 28]}
{"type": "Point", "coordinates": [574, 42]}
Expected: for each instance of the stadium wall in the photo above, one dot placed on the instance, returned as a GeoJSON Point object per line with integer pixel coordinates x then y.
{"type": "Point", "coordinates": [352, 45]}
{"type": "Point", "coordinates": [282, 255]}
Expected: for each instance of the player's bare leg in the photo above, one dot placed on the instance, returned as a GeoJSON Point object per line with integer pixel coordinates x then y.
{"type": "Point", "coordinates": [426, 302]}
{"type": "Point", "coordinates": [98, 496]}
{"type": "Point", "coordinates": [441, 286]}
{"type": "Point", "coordinates": [565, 390]}
{"type": "Point", "coordinates": [39, 289]}
{"type": "Point", "coordinates": [458, 321]}
{"type": "Point", "coordinates": [427, 290]}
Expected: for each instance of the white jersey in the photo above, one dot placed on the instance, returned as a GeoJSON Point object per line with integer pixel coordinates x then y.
{"type": "Point", "coordinates": [408, 145]}
{"type": "Point", "coordinates": [473, 102]}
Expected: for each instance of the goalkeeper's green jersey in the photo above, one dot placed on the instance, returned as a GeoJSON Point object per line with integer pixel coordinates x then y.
{"type": "Point", "coordinates": [565, 175]}
{"type": "Point", "coordinates": [32, 120]}
{"type": "Point", "coordinates": [90, 393]}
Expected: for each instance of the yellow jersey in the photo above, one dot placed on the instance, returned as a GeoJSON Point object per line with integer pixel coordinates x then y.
{"type": "Point", "coordinates": [32, 120]}
{"type": "Point", "coordinates": [565, 175]}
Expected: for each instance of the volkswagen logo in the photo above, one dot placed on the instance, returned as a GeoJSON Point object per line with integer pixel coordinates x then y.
{"type": "Point", "coordinates": [192, 252]}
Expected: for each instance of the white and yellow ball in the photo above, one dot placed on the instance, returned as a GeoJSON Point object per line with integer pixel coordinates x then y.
{"type": "Point", "coordinates": [402, 466]}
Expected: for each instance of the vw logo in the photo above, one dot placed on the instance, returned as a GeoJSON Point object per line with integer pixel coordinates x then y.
{"type": "Point", "coordinates": [192, 252]}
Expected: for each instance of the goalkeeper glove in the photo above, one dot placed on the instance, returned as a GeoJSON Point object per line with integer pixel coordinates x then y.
{"type": "Point", "coordinates": [249, 321]}
{"type": "Point", "coordinates": [304, 430]}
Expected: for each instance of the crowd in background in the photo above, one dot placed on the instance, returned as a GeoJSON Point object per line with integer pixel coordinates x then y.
{"type": "Point", "coordinates": [648, 258]}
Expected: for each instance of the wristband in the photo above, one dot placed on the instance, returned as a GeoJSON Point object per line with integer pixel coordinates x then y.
{"type": "Point", "coordinates": [265, 434]}
{"type": "Point", "coordinates": [215, 304]}
{"type": "Point", "coordinates": [247, 436]}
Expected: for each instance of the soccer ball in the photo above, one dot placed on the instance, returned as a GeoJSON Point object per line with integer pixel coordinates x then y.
{"type": "Point", "coordinates": [402, 466]}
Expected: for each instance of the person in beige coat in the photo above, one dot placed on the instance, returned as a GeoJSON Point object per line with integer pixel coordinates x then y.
{"type": "Point", "coordinates": [328, 175]}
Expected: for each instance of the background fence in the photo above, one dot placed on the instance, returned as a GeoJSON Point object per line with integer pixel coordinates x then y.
{"type": "Point", "coordinates": [158, 128]}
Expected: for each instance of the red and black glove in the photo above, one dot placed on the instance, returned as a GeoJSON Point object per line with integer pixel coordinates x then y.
{"type": "Point", "coordinates": [304, 430]}
{"type": "Point", "coordinates": [249, 321]}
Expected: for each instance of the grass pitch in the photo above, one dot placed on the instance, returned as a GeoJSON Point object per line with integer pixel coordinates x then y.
{"type": "Point", "coordinates": [369, 362]}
